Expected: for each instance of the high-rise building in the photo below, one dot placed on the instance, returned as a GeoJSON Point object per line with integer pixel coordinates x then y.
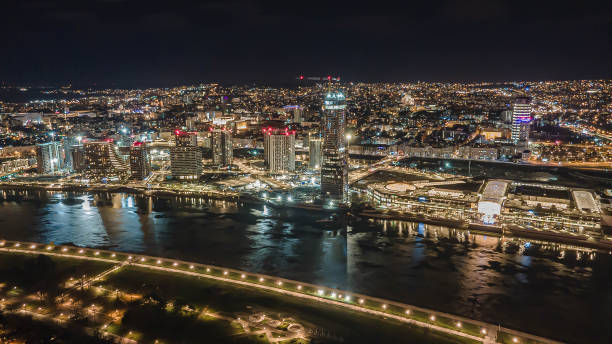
{"type": "Point", "coordinates": [315, 157]}
{"type": "Point", "coordinates": [102, 162]}
{"type": "Point", "coordinates": [68, 143]}
{"type": "Point", "coordinates": [279, 149]}
{"type": "Point", "coordinates": [222, 149]}
{"type": "Point", "coordinates": [49, 157]}
{"type": "Point", "coordinates": [77, 153]}
{"type": "Point", "coordinates": [296, 111]}
{"type": "Point", "coordinates": [186, 156]}
{"type": "Point", "coordinates": [140, 161]}
{"type": "Point", "coordinates": [334, 168]}
{"type": "Point", "coordinates": [521, 119]}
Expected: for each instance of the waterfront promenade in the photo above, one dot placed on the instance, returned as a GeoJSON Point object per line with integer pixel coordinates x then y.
{"type": "Point", "coordinates": [437, 321]}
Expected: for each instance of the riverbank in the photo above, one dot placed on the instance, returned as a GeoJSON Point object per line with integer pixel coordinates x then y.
{"type": "Point", "coordinates": [511, 230]}
{"type": "Point", "coordinates": [447, 324]}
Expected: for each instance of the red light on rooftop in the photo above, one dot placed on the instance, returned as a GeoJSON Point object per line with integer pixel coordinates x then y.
{"type": "Point", "coordinates": [301, 77]}
{"type": "Point", "coordinates": [329, 77]}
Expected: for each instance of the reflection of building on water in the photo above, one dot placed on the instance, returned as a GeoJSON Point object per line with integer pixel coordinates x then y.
{"type": "Point", "coordinates": [501, 202]}
{"type": "Point", "coordinates": [435, 232]}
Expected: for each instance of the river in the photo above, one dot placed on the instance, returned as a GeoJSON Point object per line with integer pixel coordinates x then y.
{"type": "Point", "coordinates": [542, 289]}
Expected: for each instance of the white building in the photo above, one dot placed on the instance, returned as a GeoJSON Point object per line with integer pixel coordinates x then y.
{"type": "Point", "coordinates": [492, 199]}
{"type": "Point", "coordinates": [279, 150]}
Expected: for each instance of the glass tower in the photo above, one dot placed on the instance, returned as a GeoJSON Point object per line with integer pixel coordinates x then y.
{"type": "Point", "coordinates": [334, 168]}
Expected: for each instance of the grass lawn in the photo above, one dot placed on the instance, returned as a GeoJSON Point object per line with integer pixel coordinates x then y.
{"type": "Point", "coordinates": [227, 299]}
{"type": "Point", "coordinates": [27, 271]}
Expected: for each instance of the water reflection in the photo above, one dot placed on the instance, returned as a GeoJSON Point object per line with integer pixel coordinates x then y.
{"type": "Point", "coordinates": [522, 284]}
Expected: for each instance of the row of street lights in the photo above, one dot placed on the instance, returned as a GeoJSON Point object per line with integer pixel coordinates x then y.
{"type": "Point", "coordinates": [330, 294]}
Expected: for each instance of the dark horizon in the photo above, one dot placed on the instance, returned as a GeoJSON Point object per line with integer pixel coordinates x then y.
{"type": "Point", "coordinates": [141, 44]}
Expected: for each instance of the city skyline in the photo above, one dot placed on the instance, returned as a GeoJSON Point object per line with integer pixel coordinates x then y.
{"type": "Point", "coordinates": [234, 171]}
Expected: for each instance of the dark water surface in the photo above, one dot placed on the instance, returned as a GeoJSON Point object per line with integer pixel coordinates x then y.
{"type": "Point", "coordinates": [545, 290]}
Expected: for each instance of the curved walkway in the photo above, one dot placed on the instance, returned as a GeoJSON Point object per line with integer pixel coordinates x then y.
{"type": "Point", "coordinates": [438, 321]}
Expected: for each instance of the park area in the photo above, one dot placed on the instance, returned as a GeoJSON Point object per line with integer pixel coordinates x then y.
{"type": "Point", "coordinates": [89, 301]}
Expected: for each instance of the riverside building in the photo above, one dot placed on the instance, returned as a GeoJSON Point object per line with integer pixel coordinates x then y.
{"type": "Point", "coordinates": [49, 157]}
{"type": "Point", "coordinates": [140, 161]}
{"type": "Point", "coordinates": [334, 168]}
{"type": "Point", "coordinates": [102, 163]}
{"type": "Point", "coordinates": [186, 156]}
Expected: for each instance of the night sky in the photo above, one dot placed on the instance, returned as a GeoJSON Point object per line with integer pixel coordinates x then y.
{"type": "Point", "coordinates": [165, 43]}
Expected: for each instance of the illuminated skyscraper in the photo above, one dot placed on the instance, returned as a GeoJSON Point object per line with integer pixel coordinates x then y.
{"type": "Point", "coordinates": [140, 161]}
{"type": "Point", "coordinates": [334, 169]}
{"type": "Point", "coordinates": [102, 161]}
{"type": "Point", "coordinates": [279, 149]}
{"type": "Point", "coordinates": [222, 149]}
{"type": "Point", "coordinates": [521, 119]}
{"type": "Point", "coordinates": [49, 157]}
{"type": "Point", "coordinates": [186, 156]}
